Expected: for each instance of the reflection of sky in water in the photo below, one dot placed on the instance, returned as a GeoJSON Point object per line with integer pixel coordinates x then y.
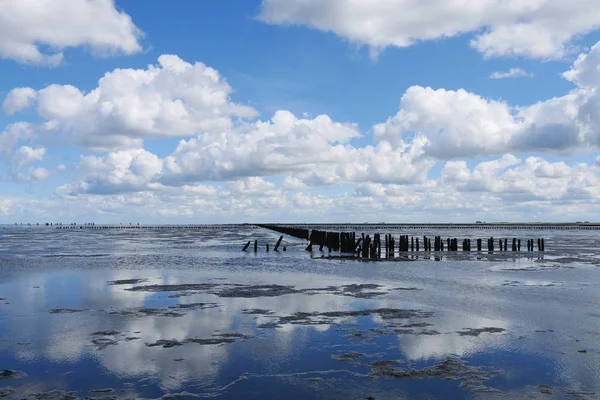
{"type": "Point", "coordinates": [547, 309]}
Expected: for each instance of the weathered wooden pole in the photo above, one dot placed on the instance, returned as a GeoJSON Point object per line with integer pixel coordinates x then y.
{"type": "Point", "coordinates": [278, 243]}
{"type": "Point", "coordinates": [519, 245]}
{"type": "Point", "coordinates": [255, 246]}
{"type": "Point", "coordinates": [246, 246]}
{"type": "Point", "coordinates": [505, 244]}
{"type": "Point", "coordinates": [478, 244]}
{"type": "Point", "coordinates": [387, 247]}
{"type": "Point", "coordinates": [417, 243]}
{"type": "Point", "coordinates": [267, 247]}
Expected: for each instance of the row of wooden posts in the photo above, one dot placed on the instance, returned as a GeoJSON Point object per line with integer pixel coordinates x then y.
{"type": "Point", "coordinates": [277, 245]}
{"type": "Point", "coordinates": [366, 246]}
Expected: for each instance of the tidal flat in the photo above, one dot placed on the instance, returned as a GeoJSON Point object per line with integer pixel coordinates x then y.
{"type": "Point", "coordinates": [175, 313]}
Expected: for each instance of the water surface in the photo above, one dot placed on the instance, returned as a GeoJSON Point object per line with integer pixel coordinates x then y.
{"type": "Point", "coordinates": [171, 312]}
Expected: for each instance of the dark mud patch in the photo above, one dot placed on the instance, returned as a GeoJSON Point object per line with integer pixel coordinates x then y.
{"type": "Point", "coordinates": [425, 332]}
{"type": "Point", "coordinates": [257, 311]}
{"type": "Point", "coordinates": [52, 395]}
{"type": "Point", "coordinates": [525, 284]}
{"type": "Point", "coordinates": [107, 390]}
{"type": "Point", "coordinates": [196, 287]}
{"type": "Point", "coordinates": [406, 288]}
{"type": "Point", "coordinates": [6, 374]}
{"type": "Point", "coordinates": [545, 389]}
{"type": "Point", "coordinates": [471, 378]}
{"type": "Point", "coordinates": [106, 333]}
{"type": "Point", "coordinates": [349, 356]}
{"type": "Point", "coordinates": [103, 343]}
{"type": "Point", "coordinates": [332, 317]}
{"type": "Point", "coordinates": [257, 291]}
{"type": "Point", "coordinates": [145, 312]}
{"type": "Point", "coordinates": [5, 392]}
{"type": "Point", "coordinates": [226, 290]}
{"type": "Point", "coordinates": [127, 281]}
{"type": "Point", "coordinates": [67, 310]}
{"type": "Point", "coordinates": [130, 338]}
{"type": "Point", "coordinates": [195, 306]}
{"type": "Point", "coordinates": [224, 338]}
{"type": "Point", "coordinates": [2, 298]}
{"type": "Point", "coordinates": [479, 331]}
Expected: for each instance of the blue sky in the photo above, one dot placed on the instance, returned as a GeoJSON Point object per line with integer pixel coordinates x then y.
{"type": "Point", "coordinates": [321, 111]}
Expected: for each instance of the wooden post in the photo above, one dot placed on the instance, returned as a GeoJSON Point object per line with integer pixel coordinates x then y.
{"type": "Point", "coordinates": [267, 247]}
{"type": "Point", "coordinates": [478, 244]}
{"type": "Point", "coordinates": [387, 247]}
{"type": "Point", "coordinates": [543, 246]}
{"type": "Point", "coordinates": [255, 246]}
{"type": "Point", "coordinates": [246, 246]}
{"type": "Point", "coordinates": [514, 244]}
{"type": "Point", "coordinates": [278, 243]}
{"type": "Point", "coordinates": [519, 245]}
{"type": "Point", "coordinates": [505, 244]}
{"type": "Point", "coordinates": [417, 243]}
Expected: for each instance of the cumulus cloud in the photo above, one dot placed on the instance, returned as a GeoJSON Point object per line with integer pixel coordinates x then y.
{"type": "Point", "coordinates": [511, 73]}
{"type": "Point", "coordinates": [26, 155]}
{"type": "Point", "coordinates": [305, 152]}
{"type": "Point", "coordinates": [14, 133]}
{"type": "Point", "coordinates": [513, 188]}
{"type": "Point", "coordinates": [464, 124]}
{"type": "Point", "coordinates": [18, 99]}
{"type": "Point", "coordinates": [585, 71]}
{"type": "Point", "coordinates": [541, 29]}
{"type": "Point", "coordinates": [456, 123]}
{"type": "Point", "coordinates": [174, 98]}
{"type": "Point", "coordinates": [28, 27]}
{"type": "Point", "coordinates": [23, 156]}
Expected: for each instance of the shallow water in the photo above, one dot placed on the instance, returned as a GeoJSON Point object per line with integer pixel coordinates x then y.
{"type": "Point", "coordinates": [184, 313]}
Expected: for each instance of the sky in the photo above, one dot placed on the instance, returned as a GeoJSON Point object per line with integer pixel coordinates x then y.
{"type": "Point", "coordinates": [221, 111]}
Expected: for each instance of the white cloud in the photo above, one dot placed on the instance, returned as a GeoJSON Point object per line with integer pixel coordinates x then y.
{"type": "Point", "coordinates": [520, 189]}
{"type": "Point", "coordinates": [305, 152]}
{"type": "Point", "coordinates": [13, 134]}
{"type": "Point", "coordinates": [23, 156]}
{"type": "Point", "coordinates": [541, 29]}
{"type": "Point", "coordinates": [175, 98]}
{"type": "Point", "coordinates": [462, 124]}
{"type": "Point", "coordinates": [18, 99]}
{"type": "Point", "coordinates": [456, 123]}
{"type": "Point", "coordinates": [26, 155]}
{"type": "Point", "coordinates": [29, 26]}
{"type": "Point", "coordinates": [511, 73]}
{"type": "Point", "coordinates": [585, 71]}
{"type": "Point", "coordinates": [121, 171]}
